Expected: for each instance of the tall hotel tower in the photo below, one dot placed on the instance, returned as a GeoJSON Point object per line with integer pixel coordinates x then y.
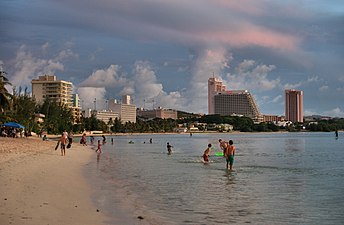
{"type": "Point", "coordinates": [231, 102]}
{"type": "Point", "coordinates": [214, 86]}
{"type": "Point", "coordinates": [294, 105]}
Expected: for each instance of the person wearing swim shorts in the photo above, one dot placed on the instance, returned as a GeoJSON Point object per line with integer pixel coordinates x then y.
{"type": "Point", "coordinates": [229, 154]}
{"type": "Point", "coordinates": [223, 146]}
{"type": "Point", "coordinates": [207, 153]}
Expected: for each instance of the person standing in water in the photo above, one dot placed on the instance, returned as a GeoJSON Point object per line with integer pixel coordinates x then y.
{"type": "Point", "coordinates": [99, 150]}
{"type": "Point", "coordinates": [207, 153]}
{"type": "Point", "coordinates": [223, 146]}
{"type": "Point", "coordinates": [169, 148]}
{"type": "Point", "coordinates": [229, 154]}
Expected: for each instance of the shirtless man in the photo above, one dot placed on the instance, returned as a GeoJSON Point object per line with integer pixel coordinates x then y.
{"type": "Point", "coordinates": [63, 142]}
{"type": "Point", "coordinates": [223, 146]}
{"type": "Point", "coordinates": [229, 154]}
{"type": "Point", "coordinates": [206, 154]}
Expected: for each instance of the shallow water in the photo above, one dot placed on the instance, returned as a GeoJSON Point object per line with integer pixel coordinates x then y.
{"type": "Point", "coordinates": [279, 178]}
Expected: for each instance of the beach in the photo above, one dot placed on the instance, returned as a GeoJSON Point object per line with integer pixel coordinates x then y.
{"type": "Point", "coordinates": [39, 186]}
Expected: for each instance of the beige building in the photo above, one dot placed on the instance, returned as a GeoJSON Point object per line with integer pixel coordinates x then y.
{"type": "Point", "coordinates": [48, 86]}
{"type": "Point", "coordinates": [105, 116]}
{"type": "Point", "coordinates": [272, 118]}
{"type": "Point", "coordinates": [294, 105]}
{"type": "Point", "coordinates": [126, 109]}
{"type": "Point", "coordinates": [158, 113]}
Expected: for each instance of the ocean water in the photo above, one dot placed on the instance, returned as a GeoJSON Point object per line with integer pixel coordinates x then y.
{"type": "Point", "coordinates": [279, 178]}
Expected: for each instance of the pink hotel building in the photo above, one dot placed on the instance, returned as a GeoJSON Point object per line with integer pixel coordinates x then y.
{"type": "Point", "coordinates": [294, 105]}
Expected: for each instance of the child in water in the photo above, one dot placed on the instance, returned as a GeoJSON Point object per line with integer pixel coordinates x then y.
{"type": "Point", "coordinates": [207, 153]}
{"type": "Point", "coordinates": [99, 150]}
{"type": "Point", "coordinates": [169, 148]}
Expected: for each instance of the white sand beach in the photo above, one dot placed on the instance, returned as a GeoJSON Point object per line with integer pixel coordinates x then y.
{"type": "Point", "coordinates": [39, 186]}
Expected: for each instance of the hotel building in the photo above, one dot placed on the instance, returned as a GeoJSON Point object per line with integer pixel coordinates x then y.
{"type": "Point", "coordinates": [105, 116]}
{"type": "Point", "coordinates": [214, 86]}
{"type": "Point", "coordinates": [49, 87]}
{"type": "Point", "coordinates": [158, 113]}
{"type": "Point", "coordinates": [126, 110]}
{"type": "Point", "coordinates": [294, 105]}
{"type": "Point", "coordinates": [231, 102]}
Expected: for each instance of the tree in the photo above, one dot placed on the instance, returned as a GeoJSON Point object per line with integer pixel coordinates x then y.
{"type": "Point", "coordinates": [5, 96]}
{"type": "Point", "coordinates": [58, 117]}
{"type": "Point", "coordinates": [23, 109]}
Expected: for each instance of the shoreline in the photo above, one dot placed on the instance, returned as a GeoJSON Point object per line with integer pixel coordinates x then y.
{"type": "Point", "coordinates": [53, 136]}
{"type": "Point", "coordinates": [39, 186]}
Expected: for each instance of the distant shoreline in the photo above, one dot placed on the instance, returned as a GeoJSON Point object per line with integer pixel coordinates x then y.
{"type": "Point", "coordinates": [52, 136]}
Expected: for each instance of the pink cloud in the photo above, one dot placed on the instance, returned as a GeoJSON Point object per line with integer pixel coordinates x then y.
{"type": "Point", "coordinates": [252, 7]}
{"type": "Point", "coordinates": [253, 35]}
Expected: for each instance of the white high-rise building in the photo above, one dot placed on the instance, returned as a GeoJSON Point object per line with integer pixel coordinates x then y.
{"type": "Point", "coordinates": [126, 110]}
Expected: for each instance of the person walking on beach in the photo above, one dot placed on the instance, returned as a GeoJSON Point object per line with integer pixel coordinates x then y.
{"type": "Point", "coordinates": [98, 151]}
{"type": "Point", "coordinates": [63, 142]}
{"type": "Point", "coordinates": [229, 154]}
{"type": "Point", "coordinates": [65, 134]}
{"type": "Point", "coordinates": [169, 148]}
{"type": "Point", "coordinates": [83, 140]}
{"type": "Point", "coordinates": [223, 146]}
{"type": "Point", "coordinates": [70, 139]}
{"type": "Point", "coordinates": [206, 154]}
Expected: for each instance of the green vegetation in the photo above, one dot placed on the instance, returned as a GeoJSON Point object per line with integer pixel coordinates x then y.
{"type": "Point", "coordinates": [5, 96]}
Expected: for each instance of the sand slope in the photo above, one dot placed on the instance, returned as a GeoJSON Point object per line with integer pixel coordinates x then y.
{"type": "Point", "coordinates": [39, 186]}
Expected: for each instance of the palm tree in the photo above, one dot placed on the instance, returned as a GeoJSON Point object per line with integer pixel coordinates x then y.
{"type": "Point", "coordinates": [5, 96]}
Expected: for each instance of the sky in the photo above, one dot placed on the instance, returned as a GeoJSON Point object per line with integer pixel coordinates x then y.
{"type": "Point", "coordinates": [162, 52]}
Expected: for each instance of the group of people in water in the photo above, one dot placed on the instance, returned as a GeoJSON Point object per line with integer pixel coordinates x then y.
{"type": "Point", "coordinates": [228, 152]}
{"type": "Point", "coordinates": [227, 148]}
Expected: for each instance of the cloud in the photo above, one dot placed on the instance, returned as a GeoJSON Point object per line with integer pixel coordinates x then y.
{"type": "Point", "coordinates": [208, 62]}
{"type": "Point", "coordinates": [309, 112]}
{"type": "Point", "coordinates": [336, 112]}
{"type": "Point", "coordinates": [146, 88]}
{"type": "Point", "coordinates": [252, 76]}
{"type": "Point", "coordinates": [323, 88]}
{"type": "Point", "coordinates": [236, 25]}
{"type": "Point", "coordinates": [142, 85]}
{"type": "Point", "coordinates": [91, 96]}
{"type": "Point", "coordinates": [29, 66]}
{"type": "Point", "coordinates": [313, 79]}
{"type": "Point", "coordinates": [108, 77]}
{"type": "Point", "coordinates": [277, 99]}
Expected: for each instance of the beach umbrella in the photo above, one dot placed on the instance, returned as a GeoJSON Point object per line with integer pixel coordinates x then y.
{"type": "Point", "coordinates": [13, 124]}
